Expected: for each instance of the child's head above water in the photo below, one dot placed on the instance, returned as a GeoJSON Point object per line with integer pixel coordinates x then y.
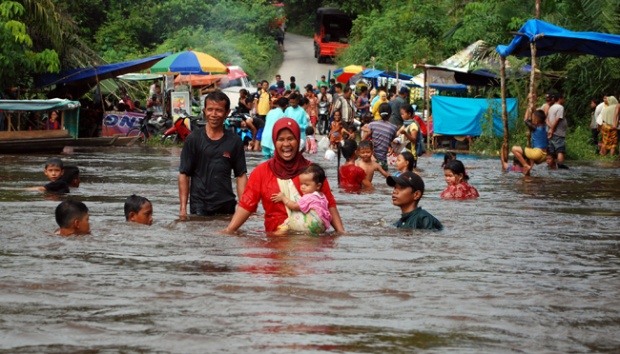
{"type": "Point", "coordinates": [405, 161]}
{"type": "Point", "coordinates": [138, 209]}
{"type": "Point", "coordinates": [72, 217]}
{"type": "Point", "coordinates": [365, 150]}
{"type": "Point", "coordinates": [309, 130]}
{"type": "Point", "coordinates": [454, 172]}
{"type": "Point", "coordinates": [348, 149]}
{"type": "Point", "coordinates": [312, 179]}
{"type": "Point", "coordinates": [71, 175]}
{"type": "Point", "coordinates": [54, 168]}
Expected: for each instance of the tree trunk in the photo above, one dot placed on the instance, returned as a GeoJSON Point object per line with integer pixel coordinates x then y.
{"type": "Point", "coordinates": [506, 144]}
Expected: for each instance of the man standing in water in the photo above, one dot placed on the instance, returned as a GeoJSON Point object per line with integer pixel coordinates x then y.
{"type": "Point", "coordinates": [557, 127]}
{"type": "Point", "coordinates": [208, 156]}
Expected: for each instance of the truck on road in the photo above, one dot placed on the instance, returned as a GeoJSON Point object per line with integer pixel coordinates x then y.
{"type": "Point", "coordinates": [331, 34]}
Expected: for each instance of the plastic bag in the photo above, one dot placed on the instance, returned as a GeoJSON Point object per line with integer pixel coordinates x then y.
{"type": "Point", "coordinates": [330, 154]}
{"type": "Point", "coordinates": [324, 143]}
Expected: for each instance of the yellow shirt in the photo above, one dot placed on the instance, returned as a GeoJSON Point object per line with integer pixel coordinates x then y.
{"type": "Point", "coordinates": [264, 104]}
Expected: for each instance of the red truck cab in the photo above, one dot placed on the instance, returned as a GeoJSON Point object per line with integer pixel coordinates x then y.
{"type": "Point", "coordinates": [331, 33]}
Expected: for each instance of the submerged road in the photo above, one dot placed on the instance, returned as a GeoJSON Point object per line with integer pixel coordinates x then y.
{"type": "Point", "coordinates": [299, 61]}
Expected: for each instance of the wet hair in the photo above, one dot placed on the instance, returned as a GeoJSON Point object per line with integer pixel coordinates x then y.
{"type": "Point", "coordinates": [68, 211]}
{"type": "Point", "coordinates": [54, 161]}
{"type": "Point", "coordinates": [411, 162]}
{"type": "Point", "coordinates": [409, 109]}
{"type": "Point", "coordinates": [348, 148]}
{"type": "Point", "coordinates": [133, 204]}
{"type": "Point", "coordinates": [309, 130]}
{"type": "Point", "coordinates": [385, 111]}
{"type": "Point", "coordinates": [447, 157]}
{"type": "Point", "coordinates": [516, 162]}
{"type": "Point", "coordinates": [218, 96]}
{"type": "Point", "coordinates": [317, 172]}
{"type": "Point", "coordinates": [366, 144]}
{"type": "Point", "coordinates": [457, 167]}
{"type": "Point", "coordinates": [70, 174]}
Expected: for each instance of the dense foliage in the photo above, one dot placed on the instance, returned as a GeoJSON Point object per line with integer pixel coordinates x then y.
{"type": "Point", "coordinates": [41, 36]}
{"type": "Point", "coordinates": [420, 31]}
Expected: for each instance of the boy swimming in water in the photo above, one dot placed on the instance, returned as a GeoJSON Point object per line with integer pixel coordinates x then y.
{"type": "Point", "coordinates": [54, 170]}
{"type": "Point", "coordinates": [138, 209]}
{"type": "Point", "coordinates": [72, 217]}
{"type": "Point", "coordinates": [365, 151]}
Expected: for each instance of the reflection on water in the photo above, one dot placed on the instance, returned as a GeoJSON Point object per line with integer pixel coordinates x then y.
{"type": "Point", "coordinates": [531, 266]}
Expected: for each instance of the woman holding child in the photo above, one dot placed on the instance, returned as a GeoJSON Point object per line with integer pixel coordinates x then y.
{"type": "Point", "coordinates": [276, 175]}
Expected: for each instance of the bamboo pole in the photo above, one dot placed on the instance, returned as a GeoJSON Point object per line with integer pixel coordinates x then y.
{"type": "Point", "coordinates": [502, 72]}
{"type": "Point", "coordinates": [532, 94]}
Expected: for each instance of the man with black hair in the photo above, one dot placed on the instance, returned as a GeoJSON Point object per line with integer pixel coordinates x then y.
{"type": "Point", "coordinates": [407, 192]}
{"type": "Point", "coordinates": [209, 155]}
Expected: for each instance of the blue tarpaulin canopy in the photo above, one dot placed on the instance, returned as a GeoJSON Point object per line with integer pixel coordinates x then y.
{"type": "Point", "coordinates": [371, 73]}
{"type": "Point", "coordinates": [469, 116]}
{"type": "Point", "coordinates": [101, 72]}
{"type": "Point", "coordinates": [551, 39]}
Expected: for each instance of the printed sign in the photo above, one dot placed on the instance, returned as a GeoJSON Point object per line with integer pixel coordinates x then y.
{"type": "Point", "coordinates": [180, 102]}
{"type": "Point", "coordinates": [120, 123]}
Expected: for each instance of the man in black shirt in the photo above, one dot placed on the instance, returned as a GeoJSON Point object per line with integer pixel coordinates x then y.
{"type": "Point", "coordinates": [208, 156]}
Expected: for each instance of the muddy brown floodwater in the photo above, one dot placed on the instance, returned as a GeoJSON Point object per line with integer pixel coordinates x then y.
{"type": "Point", "coordinates": [532, 266]}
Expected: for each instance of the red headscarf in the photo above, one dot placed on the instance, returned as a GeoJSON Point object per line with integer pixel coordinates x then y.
{"type": "Point", "coordinates": [281, 168]}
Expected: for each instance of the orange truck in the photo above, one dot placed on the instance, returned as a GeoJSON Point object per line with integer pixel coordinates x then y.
{"type": "Point", "coordinates": [331, 34]}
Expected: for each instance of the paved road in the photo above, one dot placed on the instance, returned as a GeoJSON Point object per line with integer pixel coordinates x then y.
{"type": "Point", "coordinates": [299, 61]}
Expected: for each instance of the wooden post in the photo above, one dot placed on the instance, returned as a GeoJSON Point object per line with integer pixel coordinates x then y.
{"type": "Point", "coordinates": [537, 9]}
{"type": "Point", "coordinates": [502, 72]}
{"type": "Point", "coordinates": [531, 107]}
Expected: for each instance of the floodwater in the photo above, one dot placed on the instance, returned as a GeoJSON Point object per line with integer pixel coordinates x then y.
{"type": "Point", "coordinates": [531, 266]}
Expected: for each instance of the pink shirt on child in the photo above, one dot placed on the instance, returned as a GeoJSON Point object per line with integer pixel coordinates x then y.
{"type": "Point", "coordinates": [318, 202]}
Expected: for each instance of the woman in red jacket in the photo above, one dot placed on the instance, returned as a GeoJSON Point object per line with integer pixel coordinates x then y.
{"type": "Point", "coordinates": [267, 179]}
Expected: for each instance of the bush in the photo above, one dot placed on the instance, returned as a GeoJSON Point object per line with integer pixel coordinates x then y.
{"type": "Point", "coordinates": [579, 146]}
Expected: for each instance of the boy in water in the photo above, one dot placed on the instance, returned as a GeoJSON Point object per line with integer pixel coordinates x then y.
{"type": "Point", "coordinates": [54, 170]}
{"type": "Point", "coordinates": [71, 175]}
{"type": "Point", "coordinates": [365, 151]}
{"type": "Point", "coordinates": [352, 178]}
{"type": "Point", "coordinates": [72, 217]}
{"type": "Point", "coordinates": [408, 190]}
{"type": "Point", "coordinates": [514, 167]}
{"type": "Point", "coordinates": [138, 209]}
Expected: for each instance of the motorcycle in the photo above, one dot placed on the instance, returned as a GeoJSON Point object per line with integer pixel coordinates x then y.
{"type": "Point", "coordinates": [323, 123]}
{"type": "Point", "coordinates": [179, 130]}
{"type": "Point", "coordinates": [150, 126]}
